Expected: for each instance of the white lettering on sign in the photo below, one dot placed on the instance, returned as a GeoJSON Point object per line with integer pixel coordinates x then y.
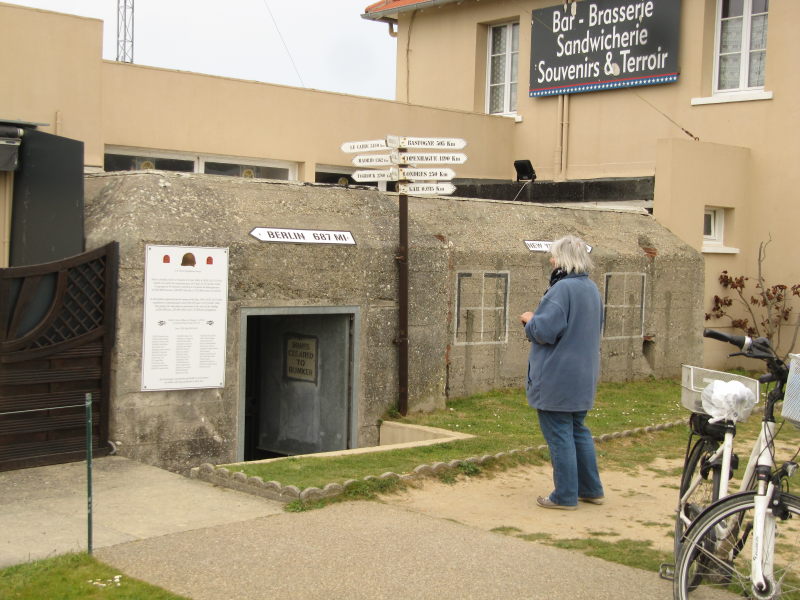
{"type": "Point", "coordinates": [397, 141]}
{"type": "Point", "coordinates": [436, 189]}
{"type": "Point", "coordinates": [364, 146]}
{"type": "Point", "coordinates": [302, 236]}
{"type": "Point", "coordinates": [545, 246]}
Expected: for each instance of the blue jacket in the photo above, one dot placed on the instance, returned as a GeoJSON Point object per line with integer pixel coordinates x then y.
{"type": "Point", "coordinates": [564, 361]}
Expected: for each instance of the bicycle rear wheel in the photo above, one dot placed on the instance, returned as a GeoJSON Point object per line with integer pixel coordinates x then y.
{"type": "Point", "coordinates": [717, 551]}
{"type": "Point", "coordinates": [706, 490]}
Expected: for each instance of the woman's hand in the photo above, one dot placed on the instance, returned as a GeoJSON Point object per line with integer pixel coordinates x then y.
{"type": "Point", "coordinates": [525, 317]}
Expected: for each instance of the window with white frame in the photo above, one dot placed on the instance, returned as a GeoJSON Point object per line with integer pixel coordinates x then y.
{"type": "Point", "coordinates": [502, 63]}
{"type": "Point", "coordinates": [135, 159]}
{"type": "Point", "coordinates": [741, 49]}
{"type": "Point", "coordinates": [714, 230]}
{"type": "Point", "coordinates": [481, 307]}
{"type": "Point", "coordinates": [713, 226]}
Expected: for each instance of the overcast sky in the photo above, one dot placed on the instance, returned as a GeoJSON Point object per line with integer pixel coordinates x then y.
{"type": "Point", "coordinates": [332, 47]}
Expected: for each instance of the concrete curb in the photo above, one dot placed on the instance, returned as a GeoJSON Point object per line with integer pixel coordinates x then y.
{"type": "Point", "coordinates": [274, 490]}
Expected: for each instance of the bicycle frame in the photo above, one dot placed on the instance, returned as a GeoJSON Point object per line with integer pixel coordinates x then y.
{"type": "Point", "coordinates": [764, 520]}
{"type": "Point", "coordinates": [725, 450]}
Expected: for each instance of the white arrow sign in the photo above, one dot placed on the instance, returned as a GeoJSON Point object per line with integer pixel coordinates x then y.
{"type": "Point", "coordinates": [376, 160]}
{"type": "Point", "coordinates": [442, 174]}
{"type": "Point", "coordinates": [377, 175]}
{"type": "Point", "coordinates": [429, 189]}
{"type": "Point", "coordinates": [397, 141]}
{"type": "Point", "coordinates": [413, 158]}
{"type": "Point", "coordinates": [364, 146]}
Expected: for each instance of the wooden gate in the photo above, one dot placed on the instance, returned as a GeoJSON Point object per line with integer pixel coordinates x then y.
{"type": "Point", "coordinates": [56, 334]}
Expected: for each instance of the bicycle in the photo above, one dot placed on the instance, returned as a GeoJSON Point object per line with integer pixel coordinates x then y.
{"type": "Point", "coordinates": [709, 462]}
{"type": "Point", "coordinates": [733, 544]}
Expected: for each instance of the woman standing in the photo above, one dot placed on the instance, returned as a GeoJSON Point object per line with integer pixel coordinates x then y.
{"type": "Point", "coordinates": [563, 368]}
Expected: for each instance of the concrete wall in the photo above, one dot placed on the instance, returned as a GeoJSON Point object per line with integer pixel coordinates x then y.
{"type": "Point", "coordinates": [179, 429]}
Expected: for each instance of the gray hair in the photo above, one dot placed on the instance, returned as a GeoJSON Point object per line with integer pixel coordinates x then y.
{"type": "Point", "coordinates": [571, 254]}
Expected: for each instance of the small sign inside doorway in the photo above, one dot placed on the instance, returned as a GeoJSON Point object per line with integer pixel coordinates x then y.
{"type": "Point", "coordinates": [301, 357]}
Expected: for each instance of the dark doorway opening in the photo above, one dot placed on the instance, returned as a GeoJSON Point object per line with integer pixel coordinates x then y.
{"type": "Point", "coordinates": [298, 396]}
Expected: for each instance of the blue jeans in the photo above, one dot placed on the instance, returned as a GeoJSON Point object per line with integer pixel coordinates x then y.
{"type": "Point", "coordinates": [572, 455]}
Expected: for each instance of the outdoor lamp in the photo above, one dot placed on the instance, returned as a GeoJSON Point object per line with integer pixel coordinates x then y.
{"type": "Point", "coordinates": [524, 170]}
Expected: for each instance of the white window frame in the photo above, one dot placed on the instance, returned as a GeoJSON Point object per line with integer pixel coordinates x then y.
{"type": "Point", "coordinates": [509, 78]}
{"type": "Point", "coordinates": [201, 159]}
{"type": "Point", "coordinates": [714, 242]}
{"type": "Point", "coordinates": [744, 51]}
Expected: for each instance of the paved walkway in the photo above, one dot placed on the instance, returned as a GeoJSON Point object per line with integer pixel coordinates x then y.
{"type": "Point", "coordinates": [210, 543]}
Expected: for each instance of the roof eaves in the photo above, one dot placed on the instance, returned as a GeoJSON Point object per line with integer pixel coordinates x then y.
{"type": "Point", "coordinates": [391, 8]}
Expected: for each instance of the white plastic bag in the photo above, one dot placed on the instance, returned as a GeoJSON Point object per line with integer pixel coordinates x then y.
{"type": "Point", "coordinates": [727, 400]}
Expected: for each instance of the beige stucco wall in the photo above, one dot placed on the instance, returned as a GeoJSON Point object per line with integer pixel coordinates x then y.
{"type": "Point", "coordinates": [51, 72]}
{"type": "Point", "coordinates": [278, 122]}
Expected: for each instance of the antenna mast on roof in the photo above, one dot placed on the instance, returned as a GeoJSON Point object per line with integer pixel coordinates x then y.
{"type": "Point", "coordinates": [125, 31]}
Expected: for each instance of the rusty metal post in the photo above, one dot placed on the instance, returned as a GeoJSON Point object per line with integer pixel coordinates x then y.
{"type": "Point", "coordinates": [402, 336]}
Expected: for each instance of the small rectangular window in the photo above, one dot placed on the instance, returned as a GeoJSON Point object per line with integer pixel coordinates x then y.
{"type": "Point", "coordinates": [124, 162]}
{"type": "Point", "coordinates": [502, 66]}
{"type": "Point", "coordinates": [249, 171]}
{"type": "Point", "coordinates": [713, 226]}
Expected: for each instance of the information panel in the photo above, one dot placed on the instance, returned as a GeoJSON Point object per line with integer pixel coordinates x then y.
{"type": "Point", "coordinates": [185, 318]}
{"type": "Point", "coordinates": [604, 44]}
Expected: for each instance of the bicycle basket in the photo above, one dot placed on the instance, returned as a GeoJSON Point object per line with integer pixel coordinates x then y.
{"type": "Point", "coordinates": [791, 397]}
{"type": "Point", "coordinates": [695, 379]}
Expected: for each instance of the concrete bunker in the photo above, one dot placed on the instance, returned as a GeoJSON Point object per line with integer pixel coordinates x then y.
{"type": "Point", "coordinates": [473, 267]}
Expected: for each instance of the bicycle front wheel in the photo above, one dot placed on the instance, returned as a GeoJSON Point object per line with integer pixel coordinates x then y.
{"type": "Point", "coordinates": [717, 551]}
{"type": "Point", "coordinates": [700, 483]}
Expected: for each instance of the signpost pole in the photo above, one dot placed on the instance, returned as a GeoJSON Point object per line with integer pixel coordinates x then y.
{"type": "Point", "coordinates": [402, 338]}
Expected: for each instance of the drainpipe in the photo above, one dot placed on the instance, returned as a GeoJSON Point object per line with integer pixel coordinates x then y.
{"type": "Point", "coordinates": [557, 149]}
{"type": "Point", "coordinates": [564, 139]}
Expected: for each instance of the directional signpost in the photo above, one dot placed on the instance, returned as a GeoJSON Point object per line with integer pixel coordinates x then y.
{"type": "Point", "coordinates": [426, 189]}
{"type": "Point", "coordinates": [417, 175]}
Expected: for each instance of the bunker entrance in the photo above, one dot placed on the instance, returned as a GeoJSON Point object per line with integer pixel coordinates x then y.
{"type": "Point", "coordinates": [298, 396]}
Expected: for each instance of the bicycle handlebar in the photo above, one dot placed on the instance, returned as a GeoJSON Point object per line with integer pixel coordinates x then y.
{"type": "Point", "coordinates": [752, 348]}
{"type": "Point", "coordinates": [742, 342]}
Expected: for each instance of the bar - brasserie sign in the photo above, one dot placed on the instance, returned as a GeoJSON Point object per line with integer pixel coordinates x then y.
{"type": "Point", "coordinates": [604, 44]}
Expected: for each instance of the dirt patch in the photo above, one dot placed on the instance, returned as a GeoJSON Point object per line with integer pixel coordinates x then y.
{"type": "Point", "coordinates": [639, 505]}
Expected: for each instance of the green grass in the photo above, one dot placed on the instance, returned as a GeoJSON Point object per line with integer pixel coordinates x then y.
{"type": "Point", "coordinates": [501, 421]}
{"type": "Point", "coordinates": [74, 576]}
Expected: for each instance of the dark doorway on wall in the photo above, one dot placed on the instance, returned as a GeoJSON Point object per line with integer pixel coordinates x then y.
{"type": "Point", "coordinates": [298, 396]}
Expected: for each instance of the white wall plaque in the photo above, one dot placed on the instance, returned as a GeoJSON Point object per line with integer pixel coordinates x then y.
{"type": "Point", "coordinates": [185, 318]}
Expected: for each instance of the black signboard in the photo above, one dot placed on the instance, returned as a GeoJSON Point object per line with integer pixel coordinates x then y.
{"type": "Point", "coordinates": [604, 44]}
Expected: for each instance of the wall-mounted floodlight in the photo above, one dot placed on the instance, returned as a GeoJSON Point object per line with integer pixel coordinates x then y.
{"type": "Point", "coordinates": [524, 170]}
